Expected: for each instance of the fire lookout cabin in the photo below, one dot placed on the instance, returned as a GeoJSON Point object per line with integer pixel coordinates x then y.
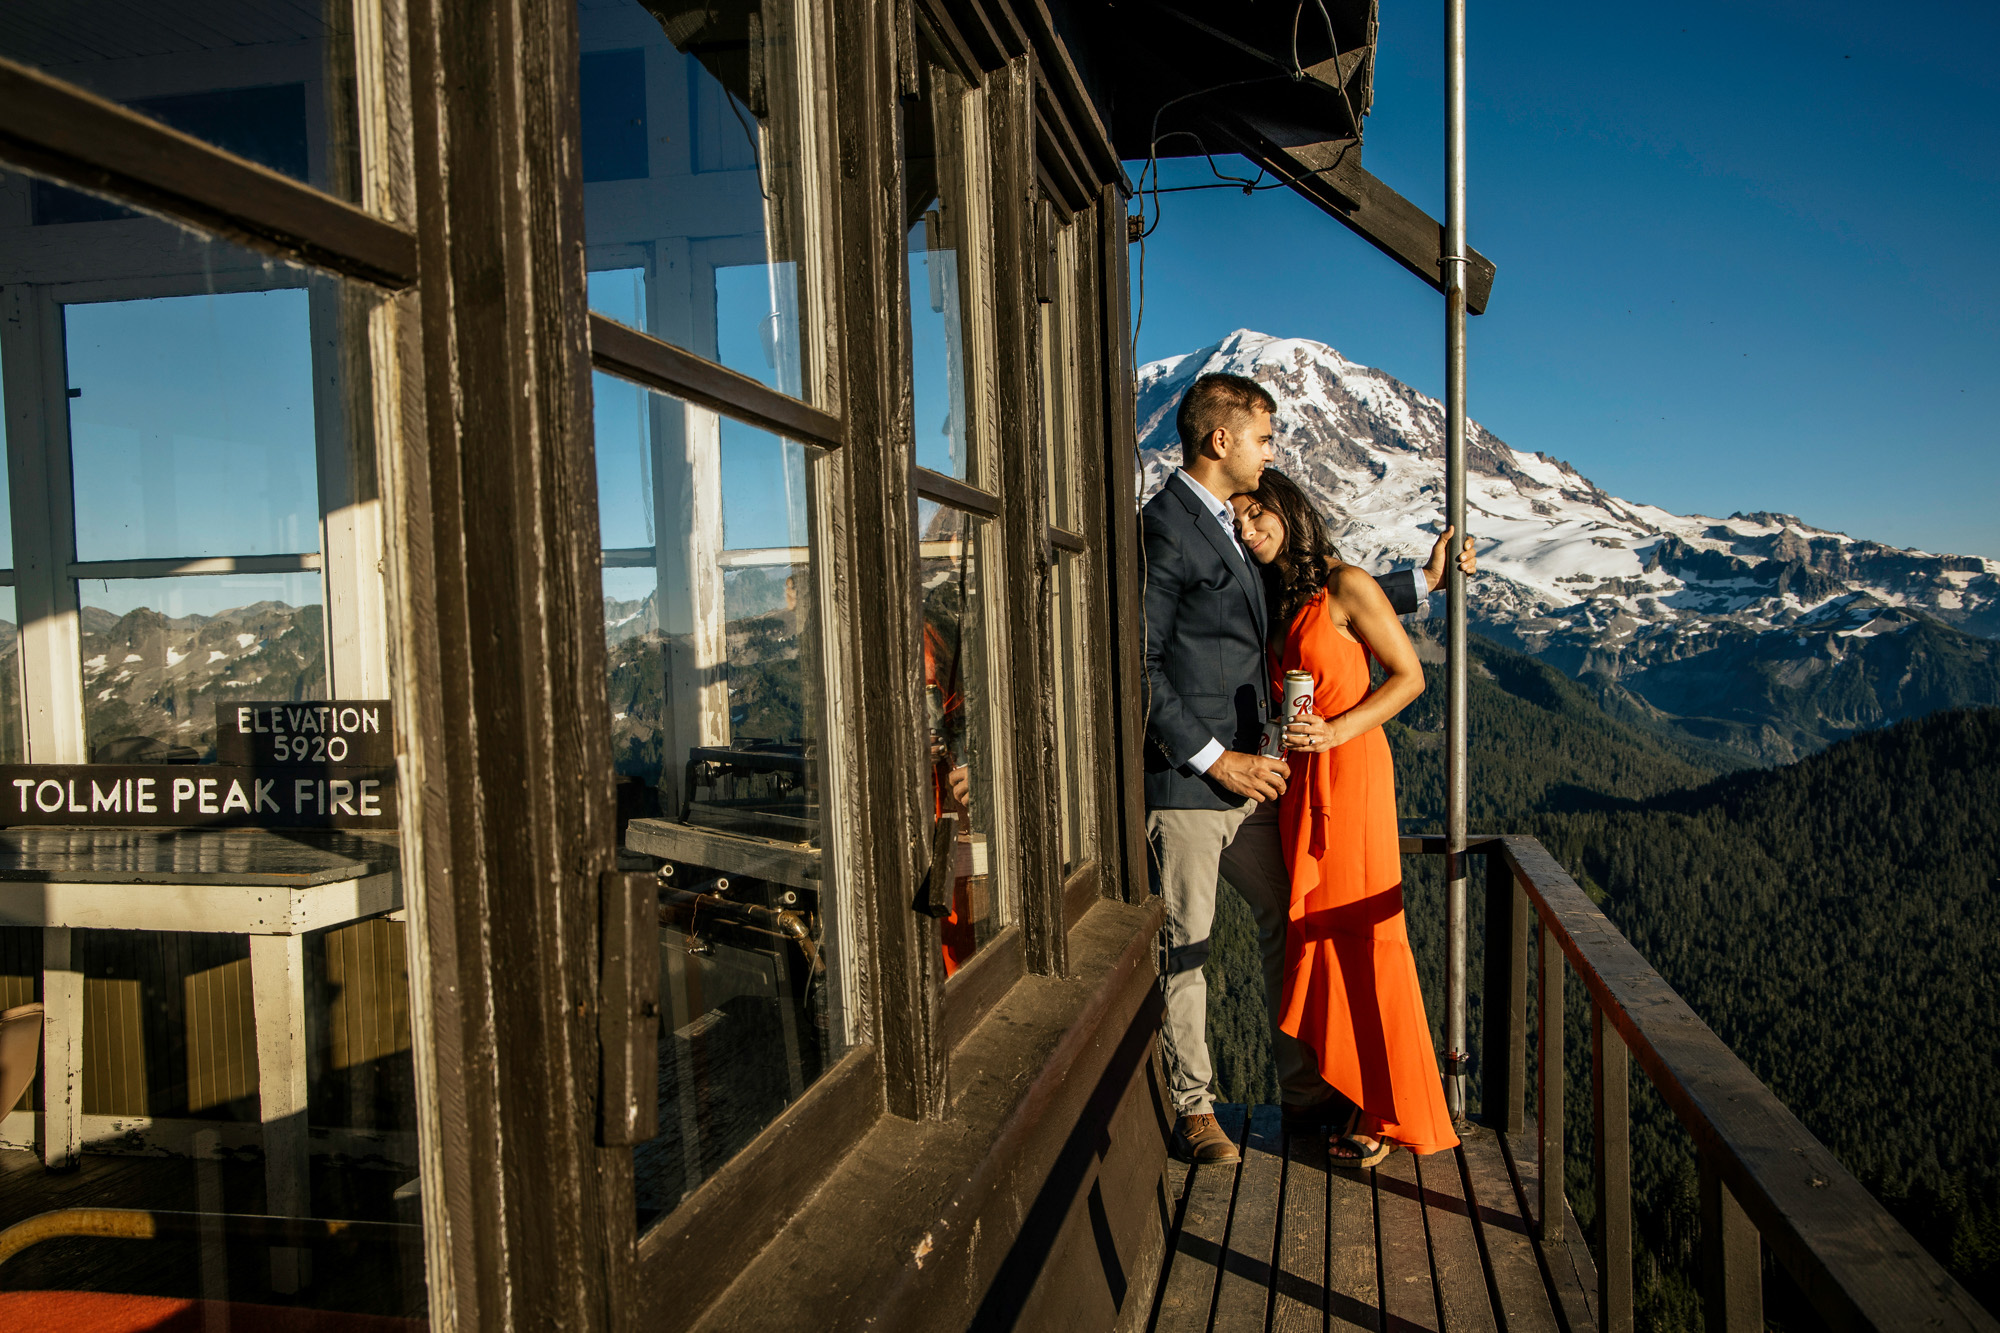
{"type": "Point", "coordinates": [571, 710]}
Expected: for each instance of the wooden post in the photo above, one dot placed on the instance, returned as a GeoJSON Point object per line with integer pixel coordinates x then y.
{"type": "Point", "coordinates": [1024, 562]}
{"type": "Point", "coordinates": [1732, 1277]}
{"type": "Point", "coordinates": [350, 500]}
{"type": "Point", "coordinates": [278, 997]}
{"type": "Point", "coordinates": [1611, 1137]}
{"type": "Point", "coordinates": [1124, 620]}
{"type": "Point", "coordinates": [499, 665]}
{"type": "Point", "coordinates": [1503, 1066]}
{"type": "Point", "coordinates": [38, 463]}
{"type": "Point", "coordinates": [686, 449]}
{"type": "Point", "coordinates": [892, 836]}
{"type": "Point", "coordinates": [1549, 1107]}
{"type": "Point", "coordinates": [62, 1051]}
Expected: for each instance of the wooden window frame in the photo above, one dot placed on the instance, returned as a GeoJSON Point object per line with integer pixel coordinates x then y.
{"type": "Point", "coordinates": [59, 131]}
{"type": "Point", "coordinates": [1060, 366]}
{"type": "Point", "coordinates": [978, 985]}
{"type": "Point", "coordinates": [555, 1258]}
{"type": "Point", "coordinates": [683, 1258]}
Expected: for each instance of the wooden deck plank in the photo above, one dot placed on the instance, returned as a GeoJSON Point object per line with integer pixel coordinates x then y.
{"type": "Point", "coordinates": [1461, 1276]}
{"type": "Point", "coordinates": [1503, 1226]}
{"type": "Point", "coordinates": [1570, 1271]}
{"type": "Point", "coordinates": [1353, 1276]}
{"type": "Point", "coordinates": [1290, 1242]}
{"type": "Point", "coordinates": [1187, 1293]}
{"type": "Point", "coordinates": [1409, 1304]}
{"type": "Point", "coordinates": [1298, 1295]}
{"type": "Point", "coordinates": [1177, 1183]}
{"type": "Point", "coordinates": [1243, 1291]}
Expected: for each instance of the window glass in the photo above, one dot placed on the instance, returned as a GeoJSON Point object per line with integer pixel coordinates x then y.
{"type": "Point", "coordinates": [272, 82]}
{"type": "Point", "coordinates": [6, 482]}
{"type": "Point", "coordinates": [161, 656]}
{"type": "Point", "coordinates": [1076, 791]}
{"type": "Point", "coordinates": [953, 573]}
{"type": "Point", "coordinates": [204, 1051]}
{"type": "Point", "coordinates": [193, 433]}
{"type": "Point", "coordinates": [717, 694]}
{"type": "Point", "coordinates": [13, 745]}
{"type": "Point", "coordinates": [191, 425]}
{"type": "Point", "coordinates": [696, 180]}
{"type": "Point", "coordinates": [939, 224]}
{"type": "Point", "coordinates": [1059, 381]}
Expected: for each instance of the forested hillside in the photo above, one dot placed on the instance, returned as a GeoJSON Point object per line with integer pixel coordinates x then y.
{"type": "Point", "coordinates": [1829, 919]}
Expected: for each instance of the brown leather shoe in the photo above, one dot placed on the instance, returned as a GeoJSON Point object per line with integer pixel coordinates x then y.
{"type": "Point", "coordinates": [1200, 1140]}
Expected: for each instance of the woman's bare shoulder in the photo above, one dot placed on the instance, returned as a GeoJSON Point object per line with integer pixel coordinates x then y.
{"type": "Point", "coordinates": [1354, 591]}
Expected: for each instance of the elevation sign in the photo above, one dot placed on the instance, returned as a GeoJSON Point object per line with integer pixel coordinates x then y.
{"type": "Point", "coordinates": [358, 732]}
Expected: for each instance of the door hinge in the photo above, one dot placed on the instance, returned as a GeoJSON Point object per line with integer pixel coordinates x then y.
{"type": "Point", "coordinates": [934, 894]}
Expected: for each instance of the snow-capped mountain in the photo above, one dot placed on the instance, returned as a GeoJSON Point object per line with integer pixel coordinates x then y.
{"type": "Point", "coordinates": [1600, 586]}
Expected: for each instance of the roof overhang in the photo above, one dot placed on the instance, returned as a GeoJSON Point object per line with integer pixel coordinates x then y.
{"type": "Point", "coordinates": [1284, 85]}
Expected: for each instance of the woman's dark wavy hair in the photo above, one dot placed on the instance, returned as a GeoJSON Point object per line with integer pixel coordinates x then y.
{"type": "Point", "coordinates": [1308, 561]}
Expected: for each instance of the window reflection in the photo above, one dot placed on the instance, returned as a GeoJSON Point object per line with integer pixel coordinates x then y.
{"type": "Point", "coordinates": [695, 180]}
{"type": "Point", "coordinates": [273, 83]}
{"type": "Point", "coordinates": [216, 415]}
{"type": "Point", "coordinates": [1073, 715]}
{"type": "Point", "coordinates": [13, 745]}
{"type": "Point", "coordinates": [958, 710]}
{"type": "Point", "coordinates": [716, 691]}
{"type": "Point", "coordinates": [936, 217]}
{"type": "Point", "coordinates": [1060, 380]}
{"type": "Point", "coordinates": [191, 425]}
{"type": "Point", "coordinates": [161, 655]}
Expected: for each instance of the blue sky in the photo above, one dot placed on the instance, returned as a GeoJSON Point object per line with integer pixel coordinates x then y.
{"type": "Point", "coordinates": [1744, 253]}
{"type": "Point", "coordinates": [191, 430]}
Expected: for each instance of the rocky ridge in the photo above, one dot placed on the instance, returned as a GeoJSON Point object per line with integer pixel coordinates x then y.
{"type": "Point", "coordinates": [1759, 630]}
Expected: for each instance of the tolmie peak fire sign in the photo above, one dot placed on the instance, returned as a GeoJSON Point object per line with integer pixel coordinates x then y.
{"type": "Point", "coordinates": [318, 764]}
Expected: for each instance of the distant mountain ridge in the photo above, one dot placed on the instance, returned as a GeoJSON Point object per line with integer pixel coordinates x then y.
{"type": "Point", "coordinates": [1759, 631]}
{"type": "Point", "coordinates": [149, 674]}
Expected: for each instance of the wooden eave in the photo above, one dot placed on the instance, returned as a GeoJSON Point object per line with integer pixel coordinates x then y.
{"type": "Point", "coordinates": [1218, 76]}
{"type": "Point", "coordinates": [1329, 173]}
{"type": "Point", "coordinates": [988, 34]}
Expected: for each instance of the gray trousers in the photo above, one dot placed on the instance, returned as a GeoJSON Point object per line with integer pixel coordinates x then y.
{"type": "Point", "coordinates": [1189, 848]}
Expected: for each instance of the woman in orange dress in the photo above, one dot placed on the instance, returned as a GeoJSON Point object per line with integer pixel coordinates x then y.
{"type": "Point", "coordinates": [1350, 980]}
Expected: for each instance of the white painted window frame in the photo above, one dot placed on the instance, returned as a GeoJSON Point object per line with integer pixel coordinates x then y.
{"type": "Point", "coordinates": [350, 558]}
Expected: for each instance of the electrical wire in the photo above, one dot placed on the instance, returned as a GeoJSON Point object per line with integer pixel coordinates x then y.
{"type": "Point", "coordinates": [1333, 41]}
{"type": "Point", "coordinates": [1149, 182]}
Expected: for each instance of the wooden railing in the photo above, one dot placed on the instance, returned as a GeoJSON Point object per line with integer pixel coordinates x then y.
{"type": "Point", "coordinates": [1765, 1180]}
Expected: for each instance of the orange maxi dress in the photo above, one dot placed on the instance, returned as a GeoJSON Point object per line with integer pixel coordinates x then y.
{"type": "Point", "coordinates": [1350, 980]}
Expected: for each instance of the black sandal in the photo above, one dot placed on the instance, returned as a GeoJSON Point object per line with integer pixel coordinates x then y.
{"type": "Point", "coordinates": [1364, 1155]}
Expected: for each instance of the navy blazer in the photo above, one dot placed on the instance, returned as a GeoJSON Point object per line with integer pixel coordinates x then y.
{"type": "Point", "coordinates": [1206, 625]}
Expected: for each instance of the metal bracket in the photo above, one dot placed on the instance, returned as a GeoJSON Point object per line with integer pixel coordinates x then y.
{"type": "Point", "coordinates": [628, 1008]}
{"type": "Point", "coordinates": [934, 895]}
{"type": "Point", "coordinates": [1456, 1063]}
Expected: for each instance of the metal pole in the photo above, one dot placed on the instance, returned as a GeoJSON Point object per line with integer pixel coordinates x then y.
{"type": "Point", "coordinates": [1453, 263]}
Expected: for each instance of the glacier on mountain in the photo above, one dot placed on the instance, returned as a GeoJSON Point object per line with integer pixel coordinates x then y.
{"type": "Point", "coordinates": [1582, 578]}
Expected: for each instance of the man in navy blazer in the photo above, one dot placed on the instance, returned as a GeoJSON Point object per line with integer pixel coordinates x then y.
{"type": "Point", "coordinates": [1211, 799]}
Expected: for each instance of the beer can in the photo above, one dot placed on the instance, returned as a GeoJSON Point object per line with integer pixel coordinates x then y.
{"type": "Point", "coordinates": [1298, 693]}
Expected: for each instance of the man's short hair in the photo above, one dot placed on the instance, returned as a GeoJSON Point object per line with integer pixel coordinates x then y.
{"type": "Point", "coordinates": [1218, 401]}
